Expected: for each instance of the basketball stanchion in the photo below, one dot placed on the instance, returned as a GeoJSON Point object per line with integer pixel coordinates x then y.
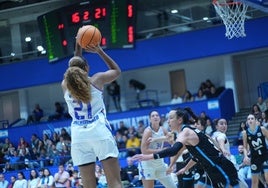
{"type": "Point", "coordinates": [233, 15]}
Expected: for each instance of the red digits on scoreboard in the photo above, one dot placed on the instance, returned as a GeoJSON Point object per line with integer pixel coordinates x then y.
{"type": "Point", "coordinates": [103, 41]}
{"type": "Point", "coordinates": [100, 13]}
{"type": "Point", "coordinates": [130, 11]}
{"type": "Point", "coordinates": [60, 26]}
{"type": "Point", "coordinates": [75, 17]}
{"type": "Point", "coordinates": [64, 43]}
{"type": "Point", "coordinates": [130, 33]}
{"type": "Point", "coordinates": [86, 15]}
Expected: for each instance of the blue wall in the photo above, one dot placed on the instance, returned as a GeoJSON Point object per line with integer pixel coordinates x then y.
{"type": "Point", "coordinates": [181, 47]}
{"type": "Point", "coordinates": [211, 107]}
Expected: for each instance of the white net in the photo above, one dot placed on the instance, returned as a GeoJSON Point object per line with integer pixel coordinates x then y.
{"type": "Point", "coordinates": [233, 15]}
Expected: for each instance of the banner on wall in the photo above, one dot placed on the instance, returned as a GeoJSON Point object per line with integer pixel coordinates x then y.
{"type": "Point", "coordinates": [214, 104]}
{"type": "Point", "coordinates": [3, 133]}
{"type": "Point", "coordinates": [131, 121]}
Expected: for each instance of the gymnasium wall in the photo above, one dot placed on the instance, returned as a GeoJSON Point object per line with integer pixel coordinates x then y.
{"type": "Point", "coordinates": [130, 118]}
{"type": "Point", "coordinates": [201, 54]}
{"type": "Point", "coordinates": [151, 52]}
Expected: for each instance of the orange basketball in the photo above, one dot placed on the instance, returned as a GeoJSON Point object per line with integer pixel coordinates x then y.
{"type": "Point", "coordinates": [88, 34]}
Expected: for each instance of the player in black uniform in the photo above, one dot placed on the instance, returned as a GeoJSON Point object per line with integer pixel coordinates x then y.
{"type": "Point", "coordinates": [201, 178]}
{"type": "Point", "coordinates": [220, 170]}
{"type": "Point", "coordinates": [254, 141]}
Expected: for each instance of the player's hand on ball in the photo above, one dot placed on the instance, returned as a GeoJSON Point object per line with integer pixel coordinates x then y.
{"type": "Point", "coordinates": [92, 48]}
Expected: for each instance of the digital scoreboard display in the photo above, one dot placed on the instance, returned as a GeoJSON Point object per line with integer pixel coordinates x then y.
{"type": "Point", "coordinates": [114, 18]}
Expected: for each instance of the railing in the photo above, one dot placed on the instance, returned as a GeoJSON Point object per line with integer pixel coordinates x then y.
{"type": "Point", "coordinates": [147, 98]}
{"type": "Point", "coordinates": [150, 99]}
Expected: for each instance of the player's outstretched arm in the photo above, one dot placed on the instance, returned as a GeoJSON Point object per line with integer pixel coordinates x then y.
{"type": "Point", "coordinates": [142, 157]}
{"type": "Point", "coordinates": [158, 139]}
{"type": "Point", "coordinates": [169, 152]}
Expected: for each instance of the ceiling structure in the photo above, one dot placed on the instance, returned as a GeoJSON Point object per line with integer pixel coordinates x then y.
{"type": "Point", "coordinates": [154, 17]}
{"type": "Point", "coordinates": [152, 14]}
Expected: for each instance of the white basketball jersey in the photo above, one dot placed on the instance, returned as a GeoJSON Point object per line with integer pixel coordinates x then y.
{"type": "Point", "coordinates": [82, 111]}
{"type": "Point", "coordinates": [158, 144]}
{"type": "Point", "coordinates": [217, 135]}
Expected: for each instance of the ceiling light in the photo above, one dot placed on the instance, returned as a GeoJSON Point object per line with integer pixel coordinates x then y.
{"type": "Point", "coordinates": [28, 39]}
{"type": "Point", "coordinates": [40, 48]}
{"type": "Point", "coordinates": [174, 11]}
{"type": "Point", "coordinates": [205, 18]}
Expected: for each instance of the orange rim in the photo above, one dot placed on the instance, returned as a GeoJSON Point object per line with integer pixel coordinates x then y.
{"type": "Point", "coordinates": [227, 3]}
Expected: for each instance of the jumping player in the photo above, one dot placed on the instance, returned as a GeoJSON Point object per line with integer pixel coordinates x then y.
{"type": "Point", "coordinates": [90, 131]}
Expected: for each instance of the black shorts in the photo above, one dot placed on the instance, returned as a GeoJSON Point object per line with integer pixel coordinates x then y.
{"type": "Point", "coordinates": [258, 164]}
{"type": "Point", "coordinates": [223, 173]}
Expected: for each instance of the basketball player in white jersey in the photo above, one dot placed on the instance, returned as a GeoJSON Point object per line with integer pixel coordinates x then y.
{"type": "Point", "coordinates": [220, 137]}
{"type": "Point", "coordinates": [152, 170]}
{"type": "Point", "coordinates": [90, 131]}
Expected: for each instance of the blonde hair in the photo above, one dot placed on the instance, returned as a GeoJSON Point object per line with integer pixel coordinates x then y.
{"type": "Point", "coordinates": [78, 84]}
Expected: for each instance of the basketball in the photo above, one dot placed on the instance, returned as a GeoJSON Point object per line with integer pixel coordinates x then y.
{"type": "Point", "coordinates": [88, 34]}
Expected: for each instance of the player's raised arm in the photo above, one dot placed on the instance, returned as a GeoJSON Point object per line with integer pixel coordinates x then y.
{"type": "Point", "coordinates": [78, 49]}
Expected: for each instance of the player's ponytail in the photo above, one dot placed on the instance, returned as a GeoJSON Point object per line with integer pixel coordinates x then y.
{"type": "Point", "coordinates": [78, 84]}
{"type": "Point", "coordinates": [194, 117]}
{"type": "Point", "coordinates": [187, 115]}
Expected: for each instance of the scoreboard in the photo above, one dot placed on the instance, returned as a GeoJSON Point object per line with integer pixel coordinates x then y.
{"type": "Point", "coordinates": [114, 18]}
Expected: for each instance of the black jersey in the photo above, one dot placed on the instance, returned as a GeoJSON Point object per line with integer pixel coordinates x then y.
{"type": "Point", "coordinates": [256, 142]}
{"type": "Point", "coordinates": [205, 150]}
{"type": "Point", "coordinates": [220, 170]}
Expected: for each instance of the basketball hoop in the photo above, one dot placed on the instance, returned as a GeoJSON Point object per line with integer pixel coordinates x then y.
{"type": "Point", "coordinates": [233, 15]}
